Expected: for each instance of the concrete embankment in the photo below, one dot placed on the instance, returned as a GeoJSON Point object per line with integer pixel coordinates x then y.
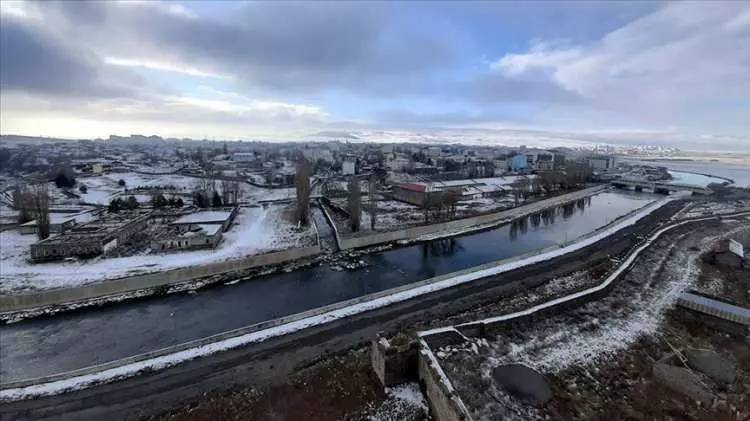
{"type": "Point", "coordinates": [114, 287]}
{"type": "Point", "coordinates": [449, 228]}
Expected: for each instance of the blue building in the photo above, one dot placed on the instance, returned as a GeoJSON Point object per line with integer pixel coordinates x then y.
{"type": "Point", "coordinates": [518, 163]}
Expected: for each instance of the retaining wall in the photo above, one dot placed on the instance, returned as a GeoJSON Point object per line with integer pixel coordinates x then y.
{"type": "Point", "coordinates": [444, 402]}
{"type": "Point", "coordinates": [11, 303]}
{"type": "Point", "coordinates": [446, 228]}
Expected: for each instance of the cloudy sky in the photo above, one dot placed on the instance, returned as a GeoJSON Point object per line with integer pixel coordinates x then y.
{"type": "Point", "coordinates": [677, 73]}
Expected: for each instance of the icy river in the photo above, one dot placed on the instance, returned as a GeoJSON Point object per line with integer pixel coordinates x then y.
{"type": "Point", "coordinates": [75, 340]}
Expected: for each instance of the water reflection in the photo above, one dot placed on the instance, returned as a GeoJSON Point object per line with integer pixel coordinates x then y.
{"type": "Point", "coordinates": [547, 217]}
{"type": "Point", "coordinates": [440, 248]}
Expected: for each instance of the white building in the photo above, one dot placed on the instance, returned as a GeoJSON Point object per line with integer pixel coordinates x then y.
{"type": "Point", "coordinates": [349, 167]}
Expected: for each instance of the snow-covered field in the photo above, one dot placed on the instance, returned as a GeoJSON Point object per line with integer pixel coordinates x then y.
{"type": "Point", "coordinates": [254, 231]}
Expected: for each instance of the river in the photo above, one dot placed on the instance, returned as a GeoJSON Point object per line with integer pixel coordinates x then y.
{"type": "Point", "coordinates": [75, 340]}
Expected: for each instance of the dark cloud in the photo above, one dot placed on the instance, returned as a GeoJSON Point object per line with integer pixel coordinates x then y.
{"type": "Point", "coordinates": [33, 61]}
{"type": "Point", "coordinates": [274, 45]}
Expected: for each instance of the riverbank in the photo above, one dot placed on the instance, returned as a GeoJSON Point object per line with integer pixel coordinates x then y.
{"type": "Point", "coordinates": [175, 355]}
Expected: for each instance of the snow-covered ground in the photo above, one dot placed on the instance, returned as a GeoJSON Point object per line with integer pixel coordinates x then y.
{"type": "Point", "coordinates": [254, 231]}
{"type": "Point", "coordinates": [590, 335]}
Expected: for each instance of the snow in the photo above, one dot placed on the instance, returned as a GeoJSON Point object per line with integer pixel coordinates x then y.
{"type": "Point", "coordinates": [405, 401]}
{"type": "Point", "coordinates": [210, 229]}
{"type": "Point", "coordinates": [203, 217]}
{"type": "Point", "coordinates": [255, 231]}
{"type": "Point", "coordinates": [131, 369]}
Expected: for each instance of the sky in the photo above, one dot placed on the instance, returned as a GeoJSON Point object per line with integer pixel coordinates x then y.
{"type": "Point", "coordinates": [625, 73]}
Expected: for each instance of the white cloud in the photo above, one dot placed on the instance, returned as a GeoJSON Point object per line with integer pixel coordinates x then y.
{"type": "Point", "coordinates": [168, 7]}
{"type": "Point", "coordinates": [161, 66]}
{"type": "Point", "coordinates": [685, 63]}
{"type": "Point", "coordinates": [269, 109]}
{"type": "Point", "coordinates": [19, 10]}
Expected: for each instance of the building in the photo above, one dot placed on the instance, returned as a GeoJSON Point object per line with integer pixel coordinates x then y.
{"type": "Point", "coordinates": [601, 162]}
{"type": "Point", "coordinates": [57, 223]}
{"type": "Point", "coordinates": [243, 156]}
{"type": "Point", "coordinates": [518, 163]}
{"type": "Point", "coordinates": [91, 239]}
{"type": "Point", "coordinates": [197, 220]}
{"type": "Point", "coordinates": [417, 193]}
{"type": "Point", "coordinates": [413, 193]}
{"type": "Point", "coordinates": [198, 237]}
{"type": "Point", "coordinates": [349, 166]}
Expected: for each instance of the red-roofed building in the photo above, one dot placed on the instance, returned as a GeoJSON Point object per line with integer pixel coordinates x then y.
{"type": "Point", "coordinates": [413, 193]}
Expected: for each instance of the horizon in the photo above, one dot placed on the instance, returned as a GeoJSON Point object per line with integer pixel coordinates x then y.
{"type": "Point", "coordinates": [622, 74]}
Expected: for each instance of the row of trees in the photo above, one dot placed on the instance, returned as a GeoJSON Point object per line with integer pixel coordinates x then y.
{"type": "Point", "coordinates": [32, 203]}
{"type": "Point", "coordinates": [118, 204]}
{"type": "Point", "coordinates": [206, 194]}
{"type": "Point", "coordinates": [159, 201]}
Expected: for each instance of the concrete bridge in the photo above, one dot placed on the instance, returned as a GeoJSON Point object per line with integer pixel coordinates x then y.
{"type": "Point", "coordinates": [659, 187]}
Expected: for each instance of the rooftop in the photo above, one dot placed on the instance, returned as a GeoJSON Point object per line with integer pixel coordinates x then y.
{"type": "Point", "coordinates": [204, 217]}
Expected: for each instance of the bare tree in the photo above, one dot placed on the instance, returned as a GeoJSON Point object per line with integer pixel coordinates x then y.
{"type": "Point", "coordinates": [354, 203]}
{"type": "Point", "coordinates": [23, 201]}
{"type": "Point", "coordinates": [40, 207]}
{"type": "Point", "coordinates": [231, 191]}
{"type": "Point", "coordinates": [373, 208]}
{"type": "Point", "coordinates": [302, 183]}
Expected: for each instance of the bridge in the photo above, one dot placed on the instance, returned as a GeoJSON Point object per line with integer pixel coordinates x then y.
{"type": "Point", "coordinates": [659, 187]}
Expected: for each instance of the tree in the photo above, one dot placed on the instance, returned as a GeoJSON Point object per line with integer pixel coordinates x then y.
{"type": "Point", "coordinates": [83, 189]}
{"type": "Point", "coordinates": [373, 208]}
{"type": "Point", "coordinates": [231, 191]}
{"type": "Point", "coordinates": [302, 184]}
{"type": "Point", "coordinates": [158, 201]}
{"type": "Point", "coordinates": [40, 206]}
{"type": "Point", "coordinates": [354, 203]}
{"type": "Point", "coordinates": [23, 202]}
{"type": "Point", "coordinates": [216, 200]}
{"type": "Point", "coordinates": [131, 203]}
{"type": "Point", "coordinates": [121, 183]}
{"type": "Point", "coordinates": [115, 205]}
{"type": "Point", "coordinates": [64, 178]}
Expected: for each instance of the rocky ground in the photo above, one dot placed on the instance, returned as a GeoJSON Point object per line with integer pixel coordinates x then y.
{"type": "Point", "coordinates": [336, 388]}
{"type": "Point", "coordinates": [600, 359]}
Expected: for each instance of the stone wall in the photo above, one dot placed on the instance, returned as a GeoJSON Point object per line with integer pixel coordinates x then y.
{"type": "Point", "coordinates": [10, 303]}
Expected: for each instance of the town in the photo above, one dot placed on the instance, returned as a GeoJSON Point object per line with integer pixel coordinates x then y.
{"type": "Point", "coordinates": [374, 211]}
{"type": "Point", "coordinates": [89, 224]}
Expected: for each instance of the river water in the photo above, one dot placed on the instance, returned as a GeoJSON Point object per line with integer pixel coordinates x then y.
{"type": "Point", "coordinates": [75, 340]}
